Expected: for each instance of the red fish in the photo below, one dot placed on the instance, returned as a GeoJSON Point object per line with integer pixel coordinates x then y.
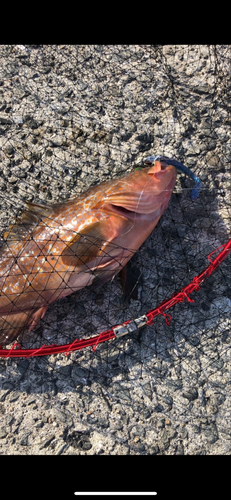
{"type": "Point", "coordinates": [55, 250]}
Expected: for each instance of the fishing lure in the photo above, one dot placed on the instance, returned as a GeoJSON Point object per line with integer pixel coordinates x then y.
{"type": "Point", "coordinates": [182, 168]}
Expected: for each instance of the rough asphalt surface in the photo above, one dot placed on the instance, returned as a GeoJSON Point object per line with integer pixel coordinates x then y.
{"type": "Point", "coordinates": [71, 117]}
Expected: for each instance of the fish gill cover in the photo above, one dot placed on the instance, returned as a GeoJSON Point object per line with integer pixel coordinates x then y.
{"type": "Point", "coordinates": [72, 117]}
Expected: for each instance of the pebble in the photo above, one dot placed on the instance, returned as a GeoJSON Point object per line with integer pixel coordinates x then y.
{"type": "Point", "coordinates": [44, 442]}
{"type": "Point", "coordinates": [5, 120]}
{"type": "Point", "coordinates": [14, 396]}
{"type": "Point", "coordinates": [3, 433]}
{"type": "Point", "coordinates": [138, 431]}
{"type": "Point", "coordinates": [190, 394]}
{"type": "Point", "coordinates": [79, 440]}
{"type": "Point", "coordinates": [210, 432]}
{"type": "Point", "coordinates": [23, 438]}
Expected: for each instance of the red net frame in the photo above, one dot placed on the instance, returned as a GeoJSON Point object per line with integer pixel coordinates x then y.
{"type": "Point", "coordinates": [79, 344]}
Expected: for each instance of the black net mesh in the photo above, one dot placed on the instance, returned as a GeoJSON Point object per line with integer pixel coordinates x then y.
{"type": "Point", "coordinates": [72, 117]}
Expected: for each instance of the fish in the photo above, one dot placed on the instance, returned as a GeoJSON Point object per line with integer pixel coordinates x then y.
{"type": "Point", "coordinates": [54, 250]}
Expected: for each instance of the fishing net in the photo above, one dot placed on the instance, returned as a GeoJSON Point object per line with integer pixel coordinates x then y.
{"type": "Point", "coordinates": [75, 116]}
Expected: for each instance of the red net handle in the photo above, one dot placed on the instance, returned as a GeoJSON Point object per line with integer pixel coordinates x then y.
{"type": "Point", "coordinates": [16, 351]}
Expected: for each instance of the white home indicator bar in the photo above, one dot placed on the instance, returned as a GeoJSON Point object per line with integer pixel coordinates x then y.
{"type": "Point", "coordinates": [115, 493]}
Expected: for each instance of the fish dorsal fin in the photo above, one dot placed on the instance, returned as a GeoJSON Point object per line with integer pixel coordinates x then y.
{"type": "Point", "coordinates": [41, 210]}
{"type": "Point", "coordinates": [92, 241]}
{"type": "Point", "coordinates": [30, 218]}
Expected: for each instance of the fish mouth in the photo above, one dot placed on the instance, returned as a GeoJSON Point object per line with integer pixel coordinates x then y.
{"type": "Point", "coordinates": [159, 168]}
{"type": "Point", "coordinates": [164, 161]}
{"type": "Point", "coordinates": [151, 160]}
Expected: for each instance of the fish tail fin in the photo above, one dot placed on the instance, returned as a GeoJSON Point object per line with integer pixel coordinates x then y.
{"type": "Point", "coordinates": [11, 325]}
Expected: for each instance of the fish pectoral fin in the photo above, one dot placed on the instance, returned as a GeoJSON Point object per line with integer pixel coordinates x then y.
{"type": "Point", "coordinates": [104, 273]}
{"type": "Point", "coordinates": [130, 276]}
{"type": "Point", "coordinates": [92, 241]}
{"type": "Point", "coordinates": [101, 278]}
{"type": "Point", "coordinates": [11, 325]}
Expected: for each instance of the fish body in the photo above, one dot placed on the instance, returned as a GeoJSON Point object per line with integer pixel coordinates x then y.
{"type": "Point", "coordinates": [55, 250]}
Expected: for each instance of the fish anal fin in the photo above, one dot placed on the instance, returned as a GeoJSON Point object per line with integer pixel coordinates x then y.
{"type": "Point", "coordinates": [104, 274]}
